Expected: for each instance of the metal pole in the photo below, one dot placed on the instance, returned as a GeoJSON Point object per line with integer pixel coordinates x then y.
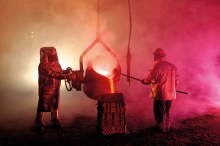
{"type": "Point", "coordinates": [140, 80]}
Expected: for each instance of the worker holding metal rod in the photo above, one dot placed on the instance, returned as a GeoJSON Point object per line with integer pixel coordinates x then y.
{"type": "Point", "coordinates": [141, 80]}
{"type": "Point", "coordinates": [163, 79]}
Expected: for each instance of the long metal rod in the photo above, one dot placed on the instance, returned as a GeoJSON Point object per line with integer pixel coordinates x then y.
{"type": "Point", "coordinates": [140, 80]}
{"type": "Point", "coordinates": [130, 77]}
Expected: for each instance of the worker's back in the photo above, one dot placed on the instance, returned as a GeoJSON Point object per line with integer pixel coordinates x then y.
{"type": "Point", "coordinates": [165, 76]}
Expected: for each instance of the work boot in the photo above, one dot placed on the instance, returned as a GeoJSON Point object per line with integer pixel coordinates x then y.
{"type": "Point", "coordinates": [39, 120]}
{"type": "Point", "coordinates": [167, 125]}
{"type": "Point", "coordinates": [40, 124]}
{"type": "Point", "coordinates": [55, 119]}
{"type": "Point", "coordinates": [57, 123]}
{"type": "Point", "coordinates": [160, 127]}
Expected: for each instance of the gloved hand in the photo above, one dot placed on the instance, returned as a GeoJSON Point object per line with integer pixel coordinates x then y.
{"type": "Point", "coordinates": [142, 81]}
{"type": "Point", "coordinates": [71, 76]}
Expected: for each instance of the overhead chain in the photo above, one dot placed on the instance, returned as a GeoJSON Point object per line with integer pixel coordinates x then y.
{"type": "Point", "coordinates": [130, 20]}
{"type": "Point", "coordinates": [128, 53]}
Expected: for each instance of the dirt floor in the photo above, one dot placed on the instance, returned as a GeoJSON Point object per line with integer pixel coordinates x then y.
{"type": "Point", "coordinates": [201, 130]}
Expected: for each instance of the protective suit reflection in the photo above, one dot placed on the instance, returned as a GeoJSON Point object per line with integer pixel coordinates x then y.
{"type": "Point", "coordinates": [50, 75]}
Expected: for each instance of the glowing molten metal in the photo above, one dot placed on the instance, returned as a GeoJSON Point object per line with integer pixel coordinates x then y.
{"type": "Point", "coordinates": [109, 75]}
{"type": "Point", "coordinates": [111, 85]}
{"type": "Point", "coordinates": [105, 65]}
{"type": "Point", "coordinates": [104, 73]}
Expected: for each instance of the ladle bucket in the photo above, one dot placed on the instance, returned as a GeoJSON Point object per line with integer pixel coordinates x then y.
{"type": "Point", "coordinates": [95, 83]}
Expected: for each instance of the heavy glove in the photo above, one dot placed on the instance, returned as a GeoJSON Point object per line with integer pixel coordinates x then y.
{"type": "Point", "coordinates": [142, 81]}
{"type": "Point", "coordinates": [71, 76]}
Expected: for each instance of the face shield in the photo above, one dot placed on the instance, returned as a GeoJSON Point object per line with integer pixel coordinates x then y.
{"type": "Point", "coordinates": [52, 58]}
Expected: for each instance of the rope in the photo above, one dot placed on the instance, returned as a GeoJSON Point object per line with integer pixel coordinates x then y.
{"type": "Point", "coordinates": [98, 24]}
{"type": "Point", "coordinates": [130, 24]}
{"type": "Point", "coordinates": [128, 53]}
{"type": "Point", "coordinates": [97, 11]}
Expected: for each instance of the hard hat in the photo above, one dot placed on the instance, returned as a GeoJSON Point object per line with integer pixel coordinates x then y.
{"type": "Point", "coordinates": [159, 52]}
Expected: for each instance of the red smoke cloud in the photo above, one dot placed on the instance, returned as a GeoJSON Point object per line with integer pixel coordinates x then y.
{"type": "Point", "coordinates": [186, 30]}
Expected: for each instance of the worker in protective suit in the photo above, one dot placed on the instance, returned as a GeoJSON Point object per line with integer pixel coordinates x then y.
{"type": "Point", "coordinates": [50, 75]}
{"type": "Point", "coordinates": [163, 79]}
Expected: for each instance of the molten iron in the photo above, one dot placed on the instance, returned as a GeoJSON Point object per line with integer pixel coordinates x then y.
{"type": "Point", "coordinates": [109, 75]}
{"type": "Point", "coordinates": [111, 85]}
{"type": "Point", "coordinates": [96, 81]}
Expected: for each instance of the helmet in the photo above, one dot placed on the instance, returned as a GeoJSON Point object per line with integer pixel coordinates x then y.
{"type": "Point", "coordinates": [48, 54]}
{"type": "Point", "coordinates": [159, 52]}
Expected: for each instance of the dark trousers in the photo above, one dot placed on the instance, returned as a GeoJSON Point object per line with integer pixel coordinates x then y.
{"type": "Point", "coordinates": [162, 111]}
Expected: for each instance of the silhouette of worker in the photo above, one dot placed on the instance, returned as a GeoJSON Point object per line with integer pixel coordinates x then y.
{"type": "Point", "coordinates": [163, 79]}
{"type": "Point", "coordinates": [50, 75]}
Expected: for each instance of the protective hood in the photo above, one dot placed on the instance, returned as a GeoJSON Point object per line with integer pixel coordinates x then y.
{"type": "Point", "coordinates": [48, 54]}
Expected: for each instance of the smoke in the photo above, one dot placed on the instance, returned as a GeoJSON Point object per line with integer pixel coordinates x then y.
{"type": "Point", "coordinates": [186, 30]}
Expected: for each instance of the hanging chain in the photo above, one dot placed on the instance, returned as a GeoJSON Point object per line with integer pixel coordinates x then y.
{"type": "Point", "coordinates": [97, 11]}
{"type": "Point", "coordinates": [98, 24]}
{"type": "Point", "coordinates": [128, 53]}
{"type": "Point", "coordinates": [130, 20]}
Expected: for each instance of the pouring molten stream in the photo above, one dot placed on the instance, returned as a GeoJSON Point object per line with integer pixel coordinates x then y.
{"type": "Point", "coordinates": [105, 65]}
{"type": "Point", "coordinates": [111, 85]}
{"type": "Point", "coordinates": [108, 75]}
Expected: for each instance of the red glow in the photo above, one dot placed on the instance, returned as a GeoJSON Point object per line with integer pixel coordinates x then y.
{"type": "Point", "coordinates": [105, 65]}
{"type": "Point", "coordinates": [109, 75]}
{"type": "Point", "coordinates": [111, 85]}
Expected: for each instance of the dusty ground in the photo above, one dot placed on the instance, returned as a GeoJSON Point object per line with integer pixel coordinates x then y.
{"type": "Point", "coordinates": [201, 130]}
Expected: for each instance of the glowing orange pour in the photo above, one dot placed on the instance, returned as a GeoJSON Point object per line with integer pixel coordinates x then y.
{"type": "Point", "coordinates": [111, 85]}
{"type": "Point", "coordinates": [109, 75]}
